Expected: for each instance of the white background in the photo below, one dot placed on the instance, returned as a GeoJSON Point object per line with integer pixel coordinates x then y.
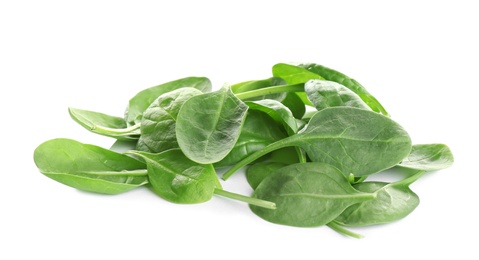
{"type": "Point", "coordinates": [418, 58]}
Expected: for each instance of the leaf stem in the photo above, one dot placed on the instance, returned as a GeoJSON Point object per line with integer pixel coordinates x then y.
{"type": "Point", "coordinates": [249, 200]}
{"type": "Point", "coordinates": [108, 130]}
{"type": "Point", "coordinates": [269, 148]}
{"type": "Point", "coordinates": [270, 90]}
{"type": "Point", "coordinates": [409, 180]}
{"type": "Point", "coordinates": [338, 228]}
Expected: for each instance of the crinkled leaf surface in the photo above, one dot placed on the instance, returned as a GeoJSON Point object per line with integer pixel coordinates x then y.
{"type": "Point", "coordinates": [324, 94]}
{"type": "Point", "coordinates": [158, 124]}
{"type": "Point", "coordinates": [141, 101]}
{"type": "Point", "coordinates": [209, 125]}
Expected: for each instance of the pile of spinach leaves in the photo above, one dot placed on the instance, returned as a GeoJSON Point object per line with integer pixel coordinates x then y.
{"type": "Point", "coordinates": [309, 135]}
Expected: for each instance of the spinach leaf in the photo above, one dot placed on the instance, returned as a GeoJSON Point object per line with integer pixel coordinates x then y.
{"type": "Point", "coordinates": [178, 179]}
{"type": "Point", "coordinates": [158, 124]}
{"type": "Point", "coordinates": [103, 124]}
{"type": "Point", "coordinates": [394, 201]}
{"type": "Point", "coordinates": [295, 104]}
{"type": "Point", "coordinates": [258, 131]}
{"type": "Point", "coordinates": [209, 125]}
{"type": "Point", "coordinates": [142, 100]}
{"type": "Point", "coordinates": [354, 140]}
{"type": "Point", "coordinates": [428, 157]}
{"type": "Point", "coordinates": [306, 195]}
{"type": "Point", "coordinates": [336, 76]}
{"type": "Point", "coordinates": [277, 111]}
{"type": "Point", "coordinates": [88, 167]}
{"type": "Point", "coordinates": [256, 173]}
{"type": "Point", "coordinates": [293, 74]}
{"type": "Point", "coordinates": [324, 94]}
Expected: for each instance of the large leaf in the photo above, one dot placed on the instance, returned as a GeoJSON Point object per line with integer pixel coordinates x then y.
{"type": "Point", "coordinates": [354, 140]}
{"type": "Point", "coordinates": [141, 101]}
{"type": "Point", "coordinates": [89, 167]}
{"type": "Point", "coordinates": [209, 125]}
{"type": "Point", "coordinates": [306, 195]}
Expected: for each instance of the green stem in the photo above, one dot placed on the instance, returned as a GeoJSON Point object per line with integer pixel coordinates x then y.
{"type": "Point", "coordinates": [249, 200]}
{"type": "Point", "coordinates": [106, 130]}
{"type": "Point", "coordinates": [338, 228]}
{"type": "Point", "coordinates": [301, 155]}
{"type": "Point", "coordinates": [408, 181]}
{"type": "Point", "coordinates": [270, 90]}
{"type": "Point", "coordinates": [272, 147]}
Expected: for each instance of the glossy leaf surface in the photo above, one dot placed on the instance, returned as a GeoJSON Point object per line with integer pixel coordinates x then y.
{"type": "Point", "coordinates": [428, 157]}
{"type": "Point", "coordinates": [89, 167]}
{"type": "Point", "coordinates": [103, 124]}
{"type": "Point", "coordinates": [306, 195]}
{"type": "Point", "coordinates": [176, 178]}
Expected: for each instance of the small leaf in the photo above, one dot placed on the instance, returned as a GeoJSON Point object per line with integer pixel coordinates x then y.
{"type": "Point", "coordinates": [178, 179]}
{"type": "Point", "coordinates": [428, 157]}
{"type": "Point", "coordinates": [324, 94]}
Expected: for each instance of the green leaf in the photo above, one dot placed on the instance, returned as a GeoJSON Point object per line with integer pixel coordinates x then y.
{"type": "Point", "coordinates": [158, 124]}
{"type": "Point", "coordinates": [428, 157]}
{"type": "Point", "coordinates": [141, 101]}
{"type": "Point", "coordinates": [293, 74]}
{"type": "Point", "coordinates": [306, 195]}
{"type": "Point", "coordinates": [256, 173]}
{"type": "Point", "coordinates": [103, 124]}
{"type": "Point", "coordinates": [88, 167]}
{"type": "Point", "coordinates": [336, 76]}
{"type": "Point", "coordinates": [295, 104]}
{"type": "Point", "coordinates": [324, 94]}
{"type": "Point", "coordinates": [277, 111]}
{"type": "Point", "coordinates": [258, 131]}
{"type": "Point", "coordinates": [354, 140]}
{"type": "Point", "coordinates": [209, 125]}
{"type": "Point", "coordinates": [177, 179]}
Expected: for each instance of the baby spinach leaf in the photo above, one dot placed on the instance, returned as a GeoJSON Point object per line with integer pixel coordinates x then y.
{"type": "Point", "coordinates": [294, 74]}
{"type": "Point", "coordinates": [277, 111]}
{"type": "Point", "coordinates": [209, 125]}
{"type": "Point", "coordinates": [306, 195]}
{"type": "Point", "coordinates": [354, 140]}
{"type": "Point", "coordinates": [258, 131]}
{"type": "Point", "coordinates": [258, 171]}
{"type": "Point", "coordinates": [88, 167]}
{"type": "Point", "coordinates": [103, 124]}
{"type": "Point", "coordinates": [323, 94]}
{"type": "Point", "coordinates": [394, 201]}
{"type": "Point", "coordinates": [158, 124]}
{"type": "Point", "coordinates": [256, 84]}
{"type": "Point", "coordinates": [428, 157]}
{"type": "Point", "coordinates": [336, 76]}
{"type": "Point", "coordinates": [295, 104]}
{"type": "Point", "coordinates": [141, 101]}
{"type": "Point", "coordinates": [177, 179]}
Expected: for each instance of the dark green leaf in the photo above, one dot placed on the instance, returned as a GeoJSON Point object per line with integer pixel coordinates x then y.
{"type": "Point", "coordinates": [324, 94]}
{"type": "Point", "coordinates": [256, 173]}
